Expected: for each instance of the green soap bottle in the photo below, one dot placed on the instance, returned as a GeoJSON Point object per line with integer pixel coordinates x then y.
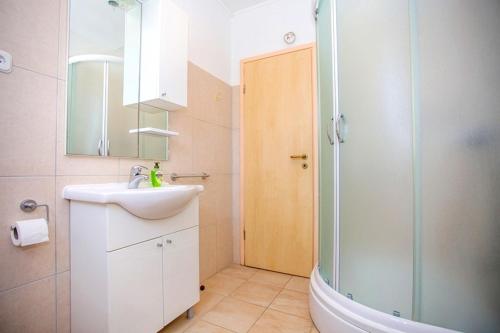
{"type": "Point", "coordinates": [155, 181]}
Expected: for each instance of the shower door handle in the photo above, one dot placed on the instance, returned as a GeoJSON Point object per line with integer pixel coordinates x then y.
{"type": "Point", "coordinates": [328, 135]}
{"type": "Point", "coordinates": [340, 117]}
{"type": "Point", "coordinates": [99, 147]}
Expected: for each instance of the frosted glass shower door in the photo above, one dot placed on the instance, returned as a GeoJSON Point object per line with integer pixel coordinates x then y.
{"type": "Point", "coordinates": [121, 118]}
{"type": "Point", "coordinates": [85, 107]}
{"type": "Point", "coordinates": [459, 60]}
{"type": "Point", "coordinates": [324, 27]}
{"type": "Point", "coordinates": [374, 92]}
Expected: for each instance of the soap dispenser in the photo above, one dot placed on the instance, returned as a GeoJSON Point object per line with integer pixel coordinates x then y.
{"type": "Point", "coordinates": [155, 180]}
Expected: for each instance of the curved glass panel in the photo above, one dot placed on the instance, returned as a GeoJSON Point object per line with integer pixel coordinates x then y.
{"type": "Point", "coordinates": [326, 152]}
{"type": "Point", "coordinates": [459, 56]}
{"type": "Point", "coordinates": [376, 197]}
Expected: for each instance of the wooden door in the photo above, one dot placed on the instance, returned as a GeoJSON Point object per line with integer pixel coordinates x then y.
{"type": "Point", "coordinates": [277, 187]}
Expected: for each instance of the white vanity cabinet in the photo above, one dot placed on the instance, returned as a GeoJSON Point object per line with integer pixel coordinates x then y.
{"type": "Point", "coordinates": [181, 272]}
{"type": "Point", "coordinates": [153, 282]}
{"type": "Point", "coordinates": [130, 274]}
{"type": "Point", "coordinates": [136, 293]}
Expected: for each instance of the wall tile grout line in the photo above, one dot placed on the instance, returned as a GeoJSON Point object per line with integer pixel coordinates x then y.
{"type": "Point", "coordinates": [56, 119]}
{"type": "Point", "coordinates": [211, 122]}
{"type": "Point", "coordinates": [46, 277]}
{"type": "Point", "coordinates": [34, 72]}
{"type": "Point", "coordinates": [29, 176]}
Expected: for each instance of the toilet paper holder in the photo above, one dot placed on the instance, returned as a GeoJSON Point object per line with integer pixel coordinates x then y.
{"type": "Point", "coordinates": [29, 205]}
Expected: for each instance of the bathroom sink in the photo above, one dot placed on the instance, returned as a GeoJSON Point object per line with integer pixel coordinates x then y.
{"type": "Point", "coordinates": [152, 203]}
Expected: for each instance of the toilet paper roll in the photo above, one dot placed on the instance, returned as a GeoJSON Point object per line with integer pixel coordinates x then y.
{"type": "Point", "coordinates": [29, 232]}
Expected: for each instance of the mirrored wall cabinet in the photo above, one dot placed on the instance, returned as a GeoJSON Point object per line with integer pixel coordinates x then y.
{"type": "Point", "coordinates": [127, 69]}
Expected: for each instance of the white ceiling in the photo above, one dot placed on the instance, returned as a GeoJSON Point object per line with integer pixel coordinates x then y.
{"type": "Point", "coordinates": [235, 5]}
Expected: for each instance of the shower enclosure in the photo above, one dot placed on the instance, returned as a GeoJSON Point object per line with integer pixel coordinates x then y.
{"type": "Point", "coordinates": [98, 121]}
{"type": "Point", "coordinates": [409, 99]}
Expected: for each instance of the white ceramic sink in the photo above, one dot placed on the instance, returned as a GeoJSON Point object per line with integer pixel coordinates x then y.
{"type": "Point", "coordinates": [152, 203]}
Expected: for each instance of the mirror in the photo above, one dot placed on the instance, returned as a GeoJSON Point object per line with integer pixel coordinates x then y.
{"type": "Point", "coordinates": [103, 83]}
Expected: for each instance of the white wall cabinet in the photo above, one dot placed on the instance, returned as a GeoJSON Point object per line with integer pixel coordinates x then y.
{"type": "Point", "coordinates": [164, 58]}
{"type": "Point", "coordinates": [130, 274]}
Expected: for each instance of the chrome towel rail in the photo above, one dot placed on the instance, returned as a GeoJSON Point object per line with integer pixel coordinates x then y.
{"type": "Point", "coordinates": [174, 176]}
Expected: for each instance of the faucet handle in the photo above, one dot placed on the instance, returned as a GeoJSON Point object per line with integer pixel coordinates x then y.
{"type": "Point", "coordinates": [137, 169]}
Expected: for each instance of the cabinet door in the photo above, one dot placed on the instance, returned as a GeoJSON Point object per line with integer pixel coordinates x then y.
{"type": "Point", "coordinates": [181, 272]}
{"type": "Point", "coordinates": [135, 281]}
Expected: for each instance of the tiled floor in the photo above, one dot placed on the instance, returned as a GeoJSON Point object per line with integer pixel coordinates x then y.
{"type": "Point", "coordinates": [242, 299]}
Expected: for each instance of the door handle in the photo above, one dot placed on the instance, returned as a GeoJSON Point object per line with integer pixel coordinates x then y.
{"type": "Point", "coordinates": [340, 117]}
{"type": "Point", "coordinates": [299, 157]}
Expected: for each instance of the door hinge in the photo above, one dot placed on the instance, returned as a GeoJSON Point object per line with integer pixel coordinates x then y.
{"type": "Point", "coordinates": [244, 234]}
{"type": "Point", "coordinates": [244, 89]}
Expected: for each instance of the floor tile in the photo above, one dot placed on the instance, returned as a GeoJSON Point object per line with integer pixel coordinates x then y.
{"type": "Point", "coordinates": [240, 272]}
{"type": "Point", "coordinates": [278, 322]}
{"type": "Point", "coordinates": [245, 299]}
{"type": "Point", "coordinates": [298, 284]}
{"type": "Point", "coordinates": [179, 325]}
{"type": "Point", "coordinates": [277, 279]}
{"type": "Point", "coordinates": [205, 327]}
{"type": "Point", "coordinates": [256, 293]}
{"type": "Point", "coordinates": [222, 284]}
{"type": "Point", "coordinates": [207, 301]}
{"type": "Point", "coordinates": [292, 302]}
{"type": "Point", "coordinates": [233, 314]}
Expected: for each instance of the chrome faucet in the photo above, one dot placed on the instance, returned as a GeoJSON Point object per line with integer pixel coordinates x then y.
{"type": "Point", "coordinates": [136, 177]}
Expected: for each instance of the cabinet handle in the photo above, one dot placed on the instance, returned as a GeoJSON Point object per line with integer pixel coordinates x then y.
{"type": "Point", "coordinates": [159, 244]}
{"type": "Point", "coordinates": [169, 241]}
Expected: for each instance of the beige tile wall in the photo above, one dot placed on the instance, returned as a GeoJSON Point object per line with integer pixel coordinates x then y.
{"type": "Point", "coordinates": [236, 172]}
{"type": "Point", "coordinates": [36, 280]}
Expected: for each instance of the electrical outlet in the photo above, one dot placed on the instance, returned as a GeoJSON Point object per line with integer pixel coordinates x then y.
{"type": "Point", "coordinates": [5, 62]}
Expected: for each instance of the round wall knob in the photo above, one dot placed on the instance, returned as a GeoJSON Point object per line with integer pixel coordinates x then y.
{"type": "Point", "coordinates": [169, 241]}
{"type": "Point", "coordinates": [159, 244]}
